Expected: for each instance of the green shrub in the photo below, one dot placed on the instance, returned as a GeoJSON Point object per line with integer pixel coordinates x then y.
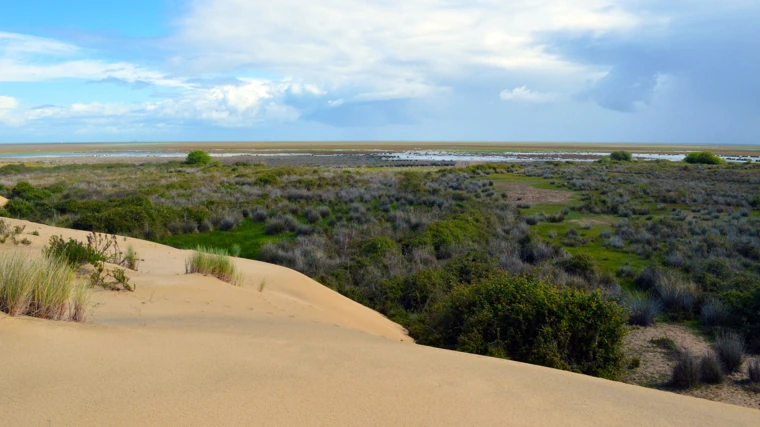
{"type": "Point", "coordinates": [20, 208]}
{"type": "Point", "coordinates": [443, 234]}
{"type": "Point", "coordinates": [527, 320]}
{"type": "Point", "coordinates": [198, 157]}
{"type": "Point", "coordinates": [27, 191]}
{"type": "Point", "coordinates": [378, 246]}
{"type": "Point", "coordinates": [73, 252]}
{"type": "Point", "coordinates": [214, 262]}
{"type": "Point", "coordinates": [267, 179]}
{"type": "Point", "coordinates": [703, 158]}
{"type": "Point", "coordinates": [580, 264]}
{"type": "Point", "coordinates": [621, 156]}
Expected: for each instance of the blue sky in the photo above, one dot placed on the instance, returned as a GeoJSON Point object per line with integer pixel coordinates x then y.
{"type": "Point", "coordinates": [462, 70]}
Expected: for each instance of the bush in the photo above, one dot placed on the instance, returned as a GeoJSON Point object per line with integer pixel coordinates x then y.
{"type": "Point", "coordinates": [27, 191]}
{"type": "Point", "coordinates": [527, 320]}
{"type": "Point", "coordinates": [267, 179]}
{"type": "Point", "coordinates": [730, 349]}
{"type": "Point", "coordinates": [214, 262]}
{"type": "Point", "coordinates": [703, 158]}
{"type": "Point", "coordinates": [685, 374]}
{"type": "Point", "coordinates": [621, 156]}
{"type": "Point", "coordinates": [579, 264]}
{"type": "Point", "coordinates": [710, 370]}
{"type": "Point", "coordinates": [280, 224]}
{"type": "Point", "coordinates": [198, 157]}
{"type": "Point", "coordinates": [643, 310]}
{"type": "Point", "coordinates": [227, 224]}
{"type": "Point", "coordinates": [73, 252]}
{"type": "Point", "coordinates": [714, 313]}
{"type": "Point", "coordinates": [259, 214]}
{"type": "Point", "coordinates": [677, 297]}
{"type": "Point", "coordinates": [20, 208]}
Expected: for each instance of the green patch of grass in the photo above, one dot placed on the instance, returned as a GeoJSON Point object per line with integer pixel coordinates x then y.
{"type": "Point", "coordinates": [249, 236]}
{"type": "Point", "coordinates": [533, 181]}
{"type": "Point", "coordinates": [666, 344]}
{"type": "Point", "coordinates": [214, 262]}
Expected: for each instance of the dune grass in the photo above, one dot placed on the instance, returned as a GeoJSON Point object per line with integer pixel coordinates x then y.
{"type": "Point", "coordinates": [214, 262]}
{"type": "Point", "coordinates": [43, 287]}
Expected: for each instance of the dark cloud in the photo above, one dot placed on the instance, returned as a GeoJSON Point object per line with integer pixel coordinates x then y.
{"type": "Point", "coordinates": [710, 49]}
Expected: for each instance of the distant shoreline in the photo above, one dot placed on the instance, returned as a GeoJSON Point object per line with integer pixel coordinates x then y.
{"type": "Point", "coordinates": [167, 149]}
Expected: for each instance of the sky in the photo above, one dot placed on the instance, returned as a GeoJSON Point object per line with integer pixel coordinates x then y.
{"type": "Point", "coordinates": [681, 71]}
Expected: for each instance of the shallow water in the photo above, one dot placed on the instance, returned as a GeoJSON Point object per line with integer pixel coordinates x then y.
{"type": "Point", "coordinates": [418, 155]}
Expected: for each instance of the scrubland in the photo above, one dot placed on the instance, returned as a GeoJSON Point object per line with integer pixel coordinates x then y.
{"type": "Point", "coordinates": [589, 249]}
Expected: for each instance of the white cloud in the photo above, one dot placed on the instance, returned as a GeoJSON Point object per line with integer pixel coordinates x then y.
{"type": "Point", "coordinates": [395, 49]}
{"type": "Point", "coordinates": [249, 104]}
{"type": "Point", "coordinates": [522, 93]}
{"type": "Point", "coordinates": [25, 58]}
{"type": "Point", "coordinates": [8, 102]}
{"type": "Point", "coordinates": [22, 44]}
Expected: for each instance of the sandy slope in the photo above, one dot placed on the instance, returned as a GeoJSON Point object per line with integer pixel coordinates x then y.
{"type": "Point", "coordinates": [3, 201]}
{"type": "Point", "coordinates": [192, 351]}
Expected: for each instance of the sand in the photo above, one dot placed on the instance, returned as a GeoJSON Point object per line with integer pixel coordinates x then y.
{"type": "Point", "coordinates": [189, 350]}
{"type": "Point", "coordinates": [3, 201]}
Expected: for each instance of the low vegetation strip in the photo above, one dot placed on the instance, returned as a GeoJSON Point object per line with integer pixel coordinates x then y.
{"type": "Point", "coordinates": [214, 262]}
{"type": "Point", "coordinates": [662, 241]}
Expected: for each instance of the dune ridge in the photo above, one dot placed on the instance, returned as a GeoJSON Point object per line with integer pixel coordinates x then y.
{"type": "Point", "coordinates": [192, 350]}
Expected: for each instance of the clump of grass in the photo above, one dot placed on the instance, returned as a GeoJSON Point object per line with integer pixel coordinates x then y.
{"type": "Point", "coordinates": [235, 250]}
{"type": "Point", "coordinates": [214, 262]}
{"type": "Point", "coordinates": [710, 370]}
{"type": "Point", "coordinates": [52, 289]}
{"type": "Point", "coordinates": [643, 310]}
{"type": "Point", "coordinates": [730, 349]}
{"type": "Point", "coordinates": [685, 374]}
{"type": "Point", "coordinates": [262, 284]}
{"type": "Point", "coordinates": [17, 276]}
{"type": "Point", "coordinates": [44, 287]}
{"type": "Point", "coordinates": [714, 313]}
{"type": "Point", "coordinates": [666, 344]}
{"type": "Point", "coordinates": [131, 260]}
{"type": "Point", "coordinates": [754, 370]}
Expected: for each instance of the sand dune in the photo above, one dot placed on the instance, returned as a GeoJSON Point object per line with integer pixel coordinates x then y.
{"type": "Point", "coordinates": [189, 350]}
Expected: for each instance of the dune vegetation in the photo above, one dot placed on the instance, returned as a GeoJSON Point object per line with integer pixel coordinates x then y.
{"type": "Point", "coordinates": [41, 286]}
{"type": "Point", "coordinates": [215, 262]}
{"type": "Point", "coordinates": [642, 242]}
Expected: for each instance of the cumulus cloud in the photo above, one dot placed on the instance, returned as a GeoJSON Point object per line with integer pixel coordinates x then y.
{"type": "Point", "coordinates": [522, 93]}
{"type": "Point", "coordinates": [385, 50]}
{"type": "Point", "coordinates": [681, 71]}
